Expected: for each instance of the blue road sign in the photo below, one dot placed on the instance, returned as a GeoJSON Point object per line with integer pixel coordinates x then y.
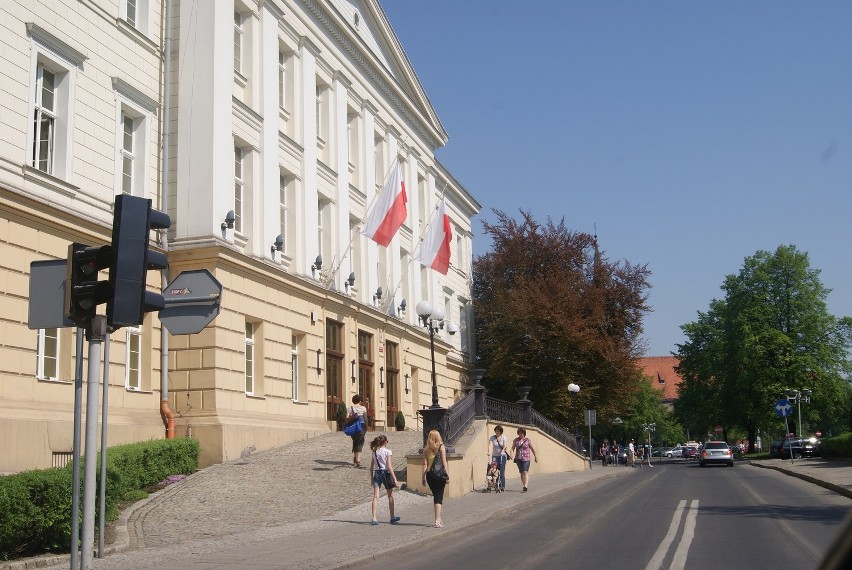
{"type": "Point", "coordinates": [783, 408]}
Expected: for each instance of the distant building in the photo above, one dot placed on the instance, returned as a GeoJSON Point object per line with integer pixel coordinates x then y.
{"type": "Point", "coordinates": [280, 121]}
{"type": "Point", "coordinates": [661, 371]}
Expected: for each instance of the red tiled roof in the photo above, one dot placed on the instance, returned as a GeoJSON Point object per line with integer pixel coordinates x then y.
{"type": "Point", "coordinates": [661, 371]}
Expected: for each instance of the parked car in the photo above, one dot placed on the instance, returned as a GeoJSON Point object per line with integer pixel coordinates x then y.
{"type": "Point", "coordinates": [661, 452]}
{"type": "Point", "coordinates": [676, 451]}
{"type": "Point", "coordinates": [775, 448]}
{"type": "Point", "coordinates": [690, 452]}
{"type": "Point", "coordinates": [716, 452]}
{"type": "Point", "coordinates": [800, 447]}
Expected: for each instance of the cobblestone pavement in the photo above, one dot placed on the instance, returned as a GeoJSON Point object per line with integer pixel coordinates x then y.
{"type": "Point", "coordinates": [292, 483]}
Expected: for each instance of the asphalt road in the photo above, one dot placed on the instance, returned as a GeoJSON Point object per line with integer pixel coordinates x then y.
{"type": "Point", "coordinates": [675, 515]}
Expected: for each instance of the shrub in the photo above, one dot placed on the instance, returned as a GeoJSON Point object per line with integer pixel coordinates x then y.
{"type": "Point", "coordinates": [35, 506]}
{"type": "Point", "coordinates": [838, 446]}
{"type": "Point", "coordinates": [399, 421]}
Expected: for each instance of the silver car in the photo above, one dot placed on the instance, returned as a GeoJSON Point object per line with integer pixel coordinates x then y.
{"type": "Point", "coordinates": [716, 452]}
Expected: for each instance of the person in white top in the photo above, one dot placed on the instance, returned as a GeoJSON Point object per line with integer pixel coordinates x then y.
{"type": "Point", "coordinates": [381, 473]}
{"type": "Point", "coordinates": [631, 454]}
{"type": "Point", "coordinates": [498, 454]}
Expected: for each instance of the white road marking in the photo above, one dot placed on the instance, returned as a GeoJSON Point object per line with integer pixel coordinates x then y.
{"type": "Point", "coordinates": [656, 562]}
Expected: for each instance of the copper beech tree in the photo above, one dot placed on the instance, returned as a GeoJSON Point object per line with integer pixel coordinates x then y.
{"type": "Point", "coordinates": [552, 310]}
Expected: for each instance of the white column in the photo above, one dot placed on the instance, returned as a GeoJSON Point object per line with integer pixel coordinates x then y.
{"type": "Point", "coordinates": [306, 201]}
{"type": "Point", "coordinates": [341, 223]}
{"type": "Point", "coordinates": [268, 200]}
{"type": "Point", "coordinates": [205, 147]}
{"type": "Point", "coordinates": [368, 246]}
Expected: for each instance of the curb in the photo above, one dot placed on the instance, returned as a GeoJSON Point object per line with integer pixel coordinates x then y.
{"type": "Point", "coordinates": [824, 484]}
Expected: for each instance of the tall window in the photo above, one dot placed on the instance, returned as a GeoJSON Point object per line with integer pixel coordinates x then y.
{"type": "Point", "coordinates": [321, 230]}
{"type": "Point", "coordinates": [294, 366]}
{"type": "Point", "coordinates": [239, 187]}
{"type": "Point", "coordinates": [132, 380]}
{"type": "Point", "coordinates": [127, 154]}
{"type": "Point", "coordinates": [282, 210]}
{"type": "Point", "coordinates": [44, 122]}
{"type": "Point", "coordinates": [131, 12]}
{"type": "Point", "coordinates": [48, 354]}
{"type": "Point", "coordinates": [333, 366]}
{"type": "Point", "coordinates": [249, 342]}
{"type": "Point", "coordinates": [282, 79]}
{"type": "Point", "coordinates": [238, 41]}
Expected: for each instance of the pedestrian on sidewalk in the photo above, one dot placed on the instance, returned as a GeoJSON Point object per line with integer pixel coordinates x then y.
{"type": "Point", "coordinates": [522, 447]}
{"type": "Point", "coordinates": [381, 473]}
{"type": "Point", "coordinates": [498, 453]}
{"type": "Point", "coordinates": [358, 438]}
{"type": "Point", "coordinates": [435, 451]}
{"type": "Point", "coordinates": [631, 454]}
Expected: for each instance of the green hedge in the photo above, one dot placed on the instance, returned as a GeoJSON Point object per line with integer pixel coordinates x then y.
{"type": "Point", "coordinates": [838, 447]}
{"type": "Point", "coordinates": [35, 506]}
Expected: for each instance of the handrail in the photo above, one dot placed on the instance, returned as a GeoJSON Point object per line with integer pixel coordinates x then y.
{"type": "Point", "coordinates": [502, 411]}
{"type": "Point", "coordinates": [459, 416]}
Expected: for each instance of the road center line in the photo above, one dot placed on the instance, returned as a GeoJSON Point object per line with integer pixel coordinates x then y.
{"type": "Point", "coordinates": [679, 561]}
{"type": "Point", "coordinates": [656, 561]}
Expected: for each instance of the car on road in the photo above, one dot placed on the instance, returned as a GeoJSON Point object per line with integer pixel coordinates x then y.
{"type": "Point", "coordinates": [775, 448]}
{"type": "Point", "coordinates": [690, 452]}
{"type": "Point", "coordinates": [716, 452]}
{"type": "Point", "coordinates": [799, 447]}
{"type": "Point", "coordinates": [661, 452]}
{"type": "Point", "coordinates": [676, 451]}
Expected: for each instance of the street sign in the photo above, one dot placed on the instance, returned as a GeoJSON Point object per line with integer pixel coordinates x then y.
{"type": "Point", "coordinates": [192, 300]}
{"type": "Point", "coordinates": [47, 295]}
{"type": "Point", "coordinates": [591, 417]}
{"type": "Point", "coordinates": [783, 408]}
{"type": "Point", "coordinates": [718, 429]}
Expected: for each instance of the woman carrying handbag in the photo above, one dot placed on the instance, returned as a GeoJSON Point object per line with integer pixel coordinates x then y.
{"type": "Point", "coordinates": [435, 471]}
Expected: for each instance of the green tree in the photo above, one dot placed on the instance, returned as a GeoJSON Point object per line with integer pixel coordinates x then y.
{"type": "Point", "coordinates": [551, 310]}
{"type": "Point", "coordinates": [771, 332]}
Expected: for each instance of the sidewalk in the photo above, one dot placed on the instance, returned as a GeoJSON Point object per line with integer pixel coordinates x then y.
{"type": "Point", "coordinates": [304, 506]}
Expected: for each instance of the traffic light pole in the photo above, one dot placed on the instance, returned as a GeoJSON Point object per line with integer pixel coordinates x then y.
{"type": "Point", "coordinates": [75, 457]}
{"type": "Point", "coordinates": [95, 338]}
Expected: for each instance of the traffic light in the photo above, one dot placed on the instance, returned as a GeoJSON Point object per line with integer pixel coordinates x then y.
{"type": "Point", "coordinates": [83, 291]}
{"type": "Point", "coordinates": [132, 221]}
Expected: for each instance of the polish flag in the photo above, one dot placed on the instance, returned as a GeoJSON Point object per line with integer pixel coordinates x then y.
{"type": "Point", "coordinates": [389, 212]}
{"type": "Point", "coordinates": [435, 249]}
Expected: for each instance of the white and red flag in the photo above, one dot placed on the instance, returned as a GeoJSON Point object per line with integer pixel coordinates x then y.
{"type": "Point", "coordinates": [389, 212]}
{"type": "Point", "coordinates": [435, 249]}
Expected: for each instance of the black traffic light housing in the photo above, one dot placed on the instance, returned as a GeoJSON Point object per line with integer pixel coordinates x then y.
{"type": "Point", "coordinates": [132, 221]}
{"type": "Point", "coordinates": [83, 291]}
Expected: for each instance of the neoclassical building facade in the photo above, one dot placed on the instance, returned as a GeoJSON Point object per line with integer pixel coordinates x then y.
{"type": "Point", "coordinates": [266, 130]}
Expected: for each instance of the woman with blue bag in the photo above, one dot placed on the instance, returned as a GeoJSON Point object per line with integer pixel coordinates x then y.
{"type": "Point", "coordinates": [357, 414]}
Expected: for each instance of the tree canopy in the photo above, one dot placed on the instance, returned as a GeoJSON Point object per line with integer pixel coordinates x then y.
{"type": "Point", "coordinates": [771, 332]}
{"type": "Point", "coordinates": [552, 310]}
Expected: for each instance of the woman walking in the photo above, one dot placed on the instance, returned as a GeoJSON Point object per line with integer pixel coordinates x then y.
{"type": "Point", "coordinates": [522, 446]}
{"type": "Point", "coordinates": [435, 453]}
{"type": "Point", "coordinates": [358, 438]}
{"type": "Point", "coordinates": [498, 453]}
{"type": "Point", "coordinates": [381, 473]}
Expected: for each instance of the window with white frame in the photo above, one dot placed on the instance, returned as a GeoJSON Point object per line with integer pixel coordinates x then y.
{"type": "Point", "coordinates": [283, 189]}
{"type": "Point", "coordinates": [324, 227]}
{"type": "Point", "coordinates": [48, 354]}
{"type": "Point", "coordinates": [249, 347]}
{"type": "Point", "coordinates": [130, 13]}
{"type": "Point", "coordinates": [128, 155]}
{"type": "Point", "coordinates": [44, 119]}
{"type": "Point", "coordinates": [239, 189]}
{"type": "Point", "coordinates": [134, 112]}
{"type": "Point", "coordinates": [133, 368]}
{"type": "Point", "coordinates": [282, 79]}
{"type": "Point", "coordinates": [294, 366]}
{"type": "Point", "coordinates": [51, 102]}
{"type": "Point", "coordinates": [239, 37]}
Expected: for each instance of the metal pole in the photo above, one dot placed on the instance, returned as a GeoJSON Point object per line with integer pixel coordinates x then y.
{"type": "Point", "coordinates": [435, 403]}
{"type": "Point", "coordinates": [799, 401]}
{"type": "Point", "coordinates": [75, 465]}
{"type": "Point", "coordinates": [102, 486]}
{"type": "Point", "coordinates": [787, 437]}
{"type": "Point", "coordinates": [96, 337]}
{"type": "Point", "coordinates": [590, 446]}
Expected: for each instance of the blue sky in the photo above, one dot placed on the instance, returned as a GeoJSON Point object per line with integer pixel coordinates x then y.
{"type": "Point", "coordinates": [692, 134]}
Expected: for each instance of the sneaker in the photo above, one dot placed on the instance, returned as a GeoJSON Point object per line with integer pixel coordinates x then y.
{"type": "Point", "coordinates": [439, 525]}
{"type": "Point", "coordinates": [524, 490]}
{"type": "Point", "coordinates": [374, 522]}
{"type": "Point", "coordinates": [394, 520]}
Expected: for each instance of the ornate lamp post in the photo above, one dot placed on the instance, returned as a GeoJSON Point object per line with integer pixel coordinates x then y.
{"type": "Point", "coordinates": [433, 417]}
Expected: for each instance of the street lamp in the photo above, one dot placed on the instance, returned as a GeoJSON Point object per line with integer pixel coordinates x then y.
{"type": "Point", "coordinates": [433, 319]}
{"type": "Point", "coordinates": [649, 428]}
{"type": "Point", "coordinates": [798, 396]}
{"type": "Point", "coordinates": [573, 389]}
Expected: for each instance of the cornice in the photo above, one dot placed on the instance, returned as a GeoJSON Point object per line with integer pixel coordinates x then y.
{"type": "Point", "coordinates": [373, 73]}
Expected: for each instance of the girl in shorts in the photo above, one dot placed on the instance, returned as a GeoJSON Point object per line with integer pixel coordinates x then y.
{"type": "Point", "coordinates": [381, 474]}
